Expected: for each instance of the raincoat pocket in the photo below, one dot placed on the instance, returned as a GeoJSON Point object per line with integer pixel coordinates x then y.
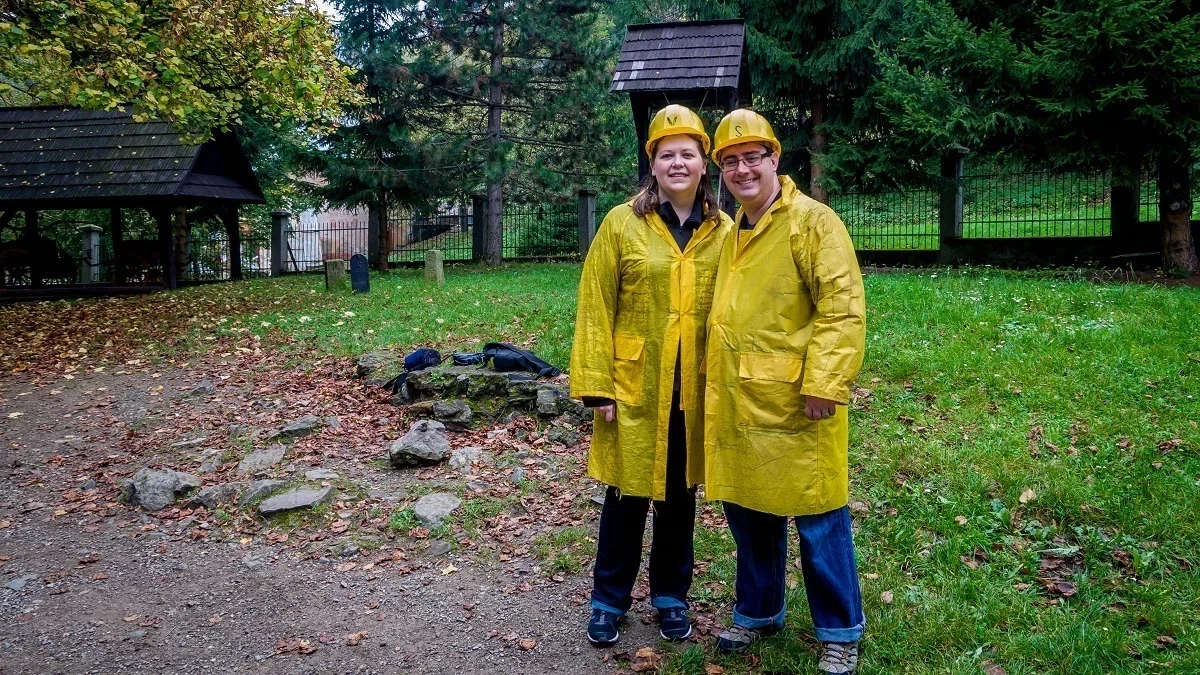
{"type": "Point", "coordinates": [769, 391]}
{"type": "Point", "coordinates": [628, 366]}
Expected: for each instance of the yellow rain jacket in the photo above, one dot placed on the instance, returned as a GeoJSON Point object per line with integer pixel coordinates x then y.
{"type": "Point", "coordinates": [639, 295]}
{"type": "Point", "coordinates": [787, 321]}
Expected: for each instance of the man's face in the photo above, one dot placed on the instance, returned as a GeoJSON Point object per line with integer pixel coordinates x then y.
{"type": "Point", "coordinates": [750, 185]}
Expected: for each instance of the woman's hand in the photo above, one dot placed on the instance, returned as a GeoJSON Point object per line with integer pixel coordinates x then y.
{"type": "Point", "coordinates": [817, 408]}
{"type": "Point", "coordinates": [608, 412]}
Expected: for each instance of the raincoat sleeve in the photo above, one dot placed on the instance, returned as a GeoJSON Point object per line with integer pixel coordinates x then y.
{"type": "Point", "coordinates": [596, 309]}
{"type": "Point", "coordinates": [825, 257]}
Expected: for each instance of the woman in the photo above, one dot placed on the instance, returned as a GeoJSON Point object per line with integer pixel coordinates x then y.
{"type": "Point", "coordinates": [639, 338]}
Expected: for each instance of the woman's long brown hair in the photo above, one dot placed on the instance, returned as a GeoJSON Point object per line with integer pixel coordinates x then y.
{"type": "Point", "coordinates": [646, 200]}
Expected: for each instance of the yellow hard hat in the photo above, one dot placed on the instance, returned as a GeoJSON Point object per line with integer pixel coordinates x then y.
{"type": "Point", "coordinates": [744, 126]}
{"type": "Point", "coordinates": [676, 119]}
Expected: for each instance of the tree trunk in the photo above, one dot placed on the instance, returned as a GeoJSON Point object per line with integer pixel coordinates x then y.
{"type": "Point", "coordinates": [384, 229]}
{"type": "Point", "coordinates": [1175, 211]}
{"type": "Point", "coordinates": [493, 251]}
{"type": "Point", "coordinates": [816, 147]}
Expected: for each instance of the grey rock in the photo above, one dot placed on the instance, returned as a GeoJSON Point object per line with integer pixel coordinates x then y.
{"type": "Point", "coordinates": [203, 388]}
{"type": "Point", "coordinates": [333, 422]}
{"type": "Point", "coordinates": [349, 550]}
{"type": "Point", "coordinates": [253, 561]}
{"type": "Point", "coordinates": [432, 509]}
{"type": "Point", "coordinates": [437, 548]}
{"type": "Point", "coordinates": [370, 363]}
{"type": "Point", "coordinates": [189, 442]}
{"type": "Point", "coordinates": [215, 496]}
{"type": "Point", "coordinates": [463, 458]}
{"type": "Point", "coordinates": [547, 402]}
{"type": "Point", "coordinates": [259, 489]}
{"type": "Point", "coordinates": [444, 381]}
{"type": "Point", "coordinates": [321, 474]}
{"type": "Point", "coordinates": [302, 427]}
{"type": "Point", "coordinates": [302, 498]}
{"type": "Point", "coordinates": [261, 459]}
{"type": "Point", "coordinates": [563, 436]}
{"type": "Point", "coordinates": [20, 583]}
{"type": "Point", "coordinates": [425, 443]}
{"type": "Point", "coordinates": [89, 484]}
{"type": "Point", "coordinates": [210, 461]}
{"type": "Point", "coordinates": [456, 413]}
{"type": "Point", "coordinates": [518, 475]}
{"type": "Point", "coordinates": [154, 489]}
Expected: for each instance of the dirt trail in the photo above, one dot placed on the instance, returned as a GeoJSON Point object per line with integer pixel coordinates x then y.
{"type": "Point", "coordinates": [91, 586]}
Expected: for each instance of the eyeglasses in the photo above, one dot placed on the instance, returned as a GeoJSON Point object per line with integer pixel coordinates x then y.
{"type": "Point", "coordinates": [750, 159]}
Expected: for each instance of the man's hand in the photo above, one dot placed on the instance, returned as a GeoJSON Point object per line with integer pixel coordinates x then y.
{"type": "Point", "coordinates": [608, 412]}
{"type": "Point", "coordinates": [818, 408]}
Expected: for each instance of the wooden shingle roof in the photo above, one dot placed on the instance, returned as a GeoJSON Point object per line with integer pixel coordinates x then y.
{"type": "Point", "coordinates": [53, 157]}
{"type": "Point", "coordinates": [681, 56]}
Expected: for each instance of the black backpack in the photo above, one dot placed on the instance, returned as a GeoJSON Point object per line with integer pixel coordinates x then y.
{"type": "Point", "coordinates": [418, 360]}
{"type": "Point", "coordinates": [506, 358]}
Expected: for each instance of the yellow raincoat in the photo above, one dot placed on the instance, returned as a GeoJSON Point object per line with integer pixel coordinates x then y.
{"type": "Point", "coordinates": [787, 321]}
{"type": "Point", "coordinates": [638, 296]}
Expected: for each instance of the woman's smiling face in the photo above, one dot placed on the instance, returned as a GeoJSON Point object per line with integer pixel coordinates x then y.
{"type": "Point", "coordinates": [678, 165]}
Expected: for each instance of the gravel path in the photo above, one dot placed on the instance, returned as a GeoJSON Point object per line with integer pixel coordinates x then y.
{"type": "Point", "coordinates": [118, 591]}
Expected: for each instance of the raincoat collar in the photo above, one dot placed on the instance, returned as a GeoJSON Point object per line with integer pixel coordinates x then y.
{"type": "Point", "coordinates": [783, 199]}
{"type": "Point", "coordinates": [660, 227]}
{"type": "Point", "coordinates": [667, 213]}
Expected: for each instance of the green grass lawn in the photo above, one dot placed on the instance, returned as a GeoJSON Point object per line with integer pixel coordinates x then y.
{"type": "Point", "coordinates": [1004, 422]}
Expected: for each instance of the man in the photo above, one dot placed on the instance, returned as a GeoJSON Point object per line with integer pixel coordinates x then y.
{"type": "Point", "coordinates": [786, 338]}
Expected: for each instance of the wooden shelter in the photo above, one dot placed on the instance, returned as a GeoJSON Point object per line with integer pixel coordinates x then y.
{"type": "Point", "coordinates": [56, 158]}
{"type": "Point", "coordinates": [700, 64]}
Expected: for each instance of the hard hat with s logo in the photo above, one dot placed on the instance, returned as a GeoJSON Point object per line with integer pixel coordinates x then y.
{"type": "Point", "coordinates": [744, 126]}
{"type": "Point", "coordinates": [676, 119]}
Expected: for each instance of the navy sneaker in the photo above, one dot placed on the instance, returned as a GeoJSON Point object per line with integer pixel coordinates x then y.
{"type": "Point", "coordinates": [602, 628]}
{"type": "Point", "coordinates": [673, 624]}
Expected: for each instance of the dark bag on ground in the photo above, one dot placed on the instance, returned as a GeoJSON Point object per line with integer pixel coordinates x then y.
{"type": "Point", "coordinates": [468, 358]}
{"type": "Point", "coordinates": [419, 360]}
{"type": "Point", "coordinates": [506, 358]}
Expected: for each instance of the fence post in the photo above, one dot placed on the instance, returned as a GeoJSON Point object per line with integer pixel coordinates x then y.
{"type": "Point", "coordinates": [587, 220]}
{"type": "Point", "coordinates": [89, 254]}
{"type": "Point", "coordinates": [479, 216]}
{"type": "Point", "coordinates": [279, 241]}
{"type": "Point", "coordinates": [950, 209]}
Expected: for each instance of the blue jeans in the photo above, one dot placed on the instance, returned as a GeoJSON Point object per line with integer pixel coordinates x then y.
{"type": "Point", "coordinates": [827, 559]}
{"type": "Point", "coordinates": [622, 522]}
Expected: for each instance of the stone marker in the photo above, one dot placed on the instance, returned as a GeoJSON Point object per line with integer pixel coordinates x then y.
{"type": "Point", "coordinates": [335, 275]}
{"type": "Point", "coordinates": [433, 268]}
{"type": "Point", "coordinates": [303, 498]}
{"type": "Point", "coordinates": [261, 459]}
{"type": "Point", "coordinates": [432, 509]}
{"type": "Point", "coordinates": [154, 490]}
{"type": "Point", "coordinates": [425, 443]}
{"type": "Point", "coordinates": [360, 279]}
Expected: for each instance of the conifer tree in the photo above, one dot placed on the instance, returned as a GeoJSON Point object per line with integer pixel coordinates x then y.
{"type": "Point", "coordinates": [382, 157]}
{"type": "Point", "coordinates": [813, 63]}
{"type": "Point", "coordinates": [519, 83]}
{"type": "Point", "coordinates": [1088, 84]}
